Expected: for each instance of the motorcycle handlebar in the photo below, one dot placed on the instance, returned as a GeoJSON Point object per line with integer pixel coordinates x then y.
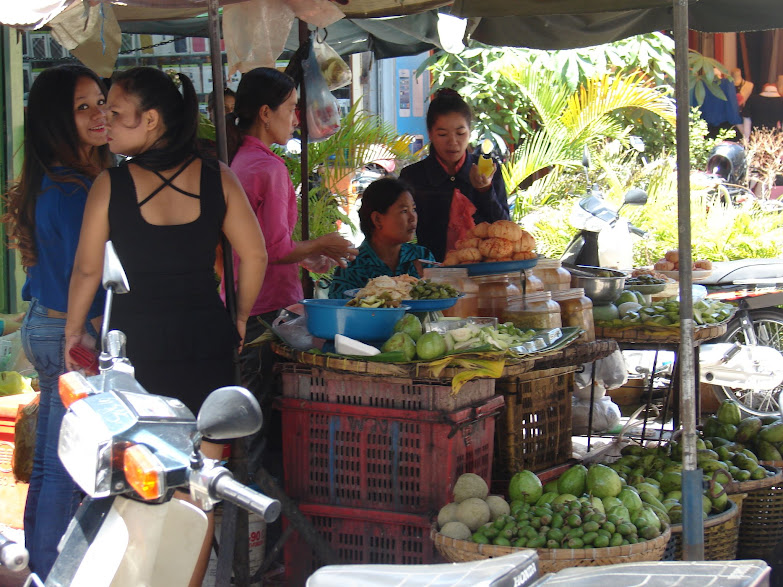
{"type": "Point", "coordinates": [637, 231]}
{"type": "Point", "coordinates": [12, 555]}
{"type": "Point", "coordinates": [224, 487]}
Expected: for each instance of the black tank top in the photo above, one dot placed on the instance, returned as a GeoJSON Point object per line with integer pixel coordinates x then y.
{"type": "Point", "coordinates": [173, 308]}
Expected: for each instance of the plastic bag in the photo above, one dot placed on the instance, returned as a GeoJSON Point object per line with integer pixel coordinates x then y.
{"type": "Point", "coordinates": [335, 71]}
{"type": "Point", "coordinates": [583, 393]}
{"type": "Point", "coordinates": [24, 440]}
{"type": "Point", "coordinates": [611, 372]}
{"type": "Point", "coordinates": [323, 114]}
{"type": "Point", "coordinates": [606, 415]}
{"type": "Point", "coordinates": [255, 33]}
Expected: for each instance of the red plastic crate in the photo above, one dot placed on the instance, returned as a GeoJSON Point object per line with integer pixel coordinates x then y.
{"type": "Point", "coordinates": [360, 537]}
{"type": "Point", "coordinates": [321, 385]}
{"type": "Point", "coordinates": [385, 459]}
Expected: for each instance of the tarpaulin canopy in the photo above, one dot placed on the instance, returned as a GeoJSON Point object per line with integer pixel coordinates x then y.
{"type": "Point", "coordinates": [566, 24]}
{"type": "Point", "coordinates": [37, 13]}
{"type": "Point", "coordinates": [394, 36]}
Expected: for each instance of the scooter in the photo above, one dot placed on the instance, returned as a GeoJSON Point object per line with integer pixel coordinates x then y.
{"type": "Point", "coordinates": [129, 451]}
{"type": "Point", "coordinates": [604, 237]}
{"type": "Point", "coordinates": [756, 286]}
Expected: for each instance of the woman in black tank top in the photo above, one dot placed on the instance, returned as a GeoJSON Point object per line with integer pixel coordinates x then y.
{"type": "Point", "coordinates": [164, 210]}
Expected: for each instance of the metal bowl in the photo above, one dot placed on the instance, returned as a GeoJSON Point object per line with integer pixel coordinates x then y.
{"type": "Point", "coordinates": [601, 290]}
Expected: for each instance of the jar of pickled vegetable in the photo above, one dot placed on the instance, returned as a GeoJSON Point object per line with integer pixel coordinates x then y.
{"type": "Point", "coordinates": [552, 274]}
{"type": "Point", "coordinates": [467, 305]}
{"type": "Point", "coordinates": [494, 292]}
{"type": "Point", "coordinates": [576, 309]}
{"type": "Point", "coordinates": [534, 310]}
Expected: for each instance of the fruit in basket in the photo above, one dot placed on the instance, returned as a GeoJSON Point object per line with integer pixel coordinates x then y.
{"type": "Point", "coordinates": [473, 512]}
{"type": "Point", "coordinates": [573, 481]}
{"type": "Point", "coordinates": [400, 341]}
{"type": "Point", "coordinates": [497, 507]}
{"type": "Point", "coordinates": [470, 485]}
{"type": "Point", "coordinates": [603, 481]}
{"type": "Point", "coordinates": [456, 530]}
{"type": "Point", "coordinates": [430, 346]}
{"type": "Point", "coordinates": [410, 325]}
{"type": "Point", "coordinates": [525, 486]}
{"type": "Point", "coordinates": [448, 513]}
{"type": "Point", "coordinates": [729, 413]}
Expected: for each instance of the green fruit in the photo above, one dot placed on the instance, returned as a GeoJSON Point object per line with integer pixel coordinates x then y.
{"type": "Point", "coordinates": [500, 541]}
{"type": "Point", "coordinates": [400, 341]}
{"type": "Point", "coordinates": [630, 499]}
{"type": "Point", "coordinates": [766, 452]}
{"type": "Point", "coordinates": [603, 482]}
{"type": "Point", "coordinates": [547, 497]}
{"type": "Point", "coordinates": [601, 541]}
{"type": "Point", "coordinates": [605, 313]}
{"type": "Point", "coordinates": [563, 498]}
{"type": "Point", "coordinates": [573, 481]}
{"type": "Point", "coordinates": [430, 346]}
{"type": "Point", "coordinates": [616, 539]}
{"type": "Point", "coordinates": [748, 429]}
{"type": "Point", "coordinates": [772, 432]}
{"type": "Point", "coordinates": [480, 538]}
{"type": "Point", "coordinates": [551, 486]}
{"type": "Point", "coordinates": [729, 413]}
{"type": "Point", "coordinates": [524, 486]}
{"type": "Point", "coordinates": [653, 490]}
{"type": "Point", "coordinates": [410, 325]}
{"type": "Point", "coordinates": [520, 542]}
{"type": "Point", "coordinates": [537, 542]}
{"type": "Point", "coordinates": [758, 474]}
{"type": "Point", "coordinates": [671, 481]}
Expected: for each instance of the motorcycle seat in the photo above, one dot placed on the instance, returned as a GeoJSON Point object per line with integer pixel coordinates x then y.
{"type": "Point", "coordinates": [746, 271]}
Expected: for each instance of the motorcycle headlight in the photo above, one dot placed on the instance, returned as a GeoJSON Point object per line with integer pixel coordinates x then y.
{"type": "Point", "coordinates": [85, 449]}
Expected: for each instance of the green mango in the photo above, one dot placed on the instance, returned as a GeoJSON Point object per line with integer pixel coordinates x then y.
{"type": "Point", "coordinates": [758, 474]}
{"type": "Point", "coordinates": [769, 419]}
{"type": "Point", "coordinates": [748, 429]}
{"type": "Point", "coordinates": [771, 432]}
{"type": "Point", "coordinates": [729, 413]}
{"type": "Point", "coordinates": [632, 449]}
{"type": "Point", "coordinates": [706, 454]}
{"type": "Point", "coordinates": [648, 498]}
{"type": "Point", "coordinates": [671, 481]}
{"type": "Point", "coordinates": [766, 452]}
{"type": "Point", "coordinates": [550, 486]}
{"type": "Point", "coordinates": [710, 465]}
{"type": "Point", "coordinates": [649, 488]}
{"type": "Point", "coordinates": [573, 480]}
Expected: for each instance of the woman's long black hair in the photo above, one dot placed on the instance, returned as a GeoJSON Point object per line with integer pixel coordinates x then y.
{"type": "Point", "coordinates": [262, 86]}
{"type": "Point", "coordinates": [155, 90]}
{"type": "Point", "coordinates": [50, 139]}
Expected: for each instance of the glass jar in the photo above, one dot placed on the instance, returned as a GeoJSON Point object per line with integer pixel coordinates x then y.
{"type": "Point", "coordinates": [553, 275]}
{"type": "Point", "coordinates": [467, 305]}
{"type": "Point", "coordinates": [494, 293]}
{"type": "Point", "coordinates": [536, 310]}
{"type": "Point", "coordinates": [576, 309]}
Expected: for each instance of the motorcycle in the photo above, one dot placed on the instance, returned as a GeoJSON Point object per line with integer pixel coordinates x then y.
{"type": "Point", "coordinates": [756, 286]}
{"type": "Point", "coordinates": [129, 451]}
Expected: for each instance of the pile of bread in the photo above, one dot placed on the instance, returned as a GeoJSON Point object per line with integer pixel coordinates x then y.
{"type": "Point", "coordinates": [671, 262]}
{"type": "Point", "coordinates": [500, 241]}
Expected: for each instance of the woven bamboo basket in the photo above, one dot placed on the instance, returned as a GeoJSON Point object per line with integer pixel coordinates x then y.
{"type": "Point", "coordinates": [551, 560]}
{"type": "Point", "coordinates": [761, 526]}
{"type": "Point", "coordinates": [659, 333]}
{"type": "Point", "coordinates": [721, 534]}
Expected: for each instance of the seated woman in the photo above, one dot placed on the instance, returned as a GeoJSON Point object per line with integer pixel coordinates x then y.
{"type": "Point", "coordinates": [388, 220]}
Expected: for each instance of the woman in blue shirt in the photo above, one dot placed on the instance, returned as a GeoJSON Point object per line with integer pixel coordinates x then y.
{"type": "Point", "coordinates": [64, 149]}
{"type": "Point", "coordinates": [388, 220]}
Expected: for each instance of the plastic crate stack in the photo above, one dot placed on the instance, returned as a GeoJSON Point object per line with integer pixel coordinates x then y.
{"type": "Point", "coordinates": [372, 459]}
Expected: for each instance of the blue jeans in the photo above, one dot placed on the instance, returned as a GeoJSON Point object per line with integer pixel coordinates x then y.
{"type": "Point", "coordinates": [52, 496]}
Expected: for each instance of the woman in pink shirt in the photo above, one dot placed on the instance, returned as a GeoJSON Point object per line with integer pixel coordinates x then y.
{"type": "Point", "coordinates": [265, 114]}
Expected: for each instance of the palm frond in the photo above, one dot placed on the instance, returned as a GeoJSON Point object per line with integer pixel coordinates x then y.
{"type": "Point", "coordinates": [541, 151]}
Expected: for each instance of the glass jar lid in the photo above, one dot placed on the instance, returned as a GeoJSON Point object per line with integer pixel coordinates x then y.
{"type": "Point", "coordinates": [573, 293]}
{"type": "Point", "coordinates": [544, 263]}
{"type": "Point", "coordinates": [533, 297]}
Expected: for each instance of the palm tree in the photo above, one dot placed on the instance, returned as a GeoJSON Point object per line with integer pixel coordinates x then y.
{"type": "Point", "coordinates": [571, 121]}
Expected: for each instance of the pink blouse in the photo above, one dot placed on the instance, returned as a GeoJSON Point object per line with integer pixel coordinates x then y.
{"type": "Point", "coordinates": [268, 186]}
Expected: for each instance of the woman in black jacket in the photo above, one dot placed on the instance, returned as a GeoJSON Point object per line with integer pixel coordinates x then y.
{"type": "Point", "coordinates": [450, 193]}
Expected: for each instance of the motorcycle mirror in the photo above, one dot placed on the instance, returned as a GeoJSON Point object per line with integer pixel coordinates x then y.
{"type": "Point", "coordinates": [115, 282]}
{"type": "Point", "coordinates": [229, 412]}
{"type": "Point", "coordinates": [635, 197]}
{"type": "Point", "coordinates": [114, 277]}
{"type": "Point", "coordinates": [586, 158]}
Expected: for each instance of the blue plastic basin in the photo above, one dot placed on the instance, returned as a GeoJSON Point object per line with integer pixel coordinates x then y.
{"type": "Point", "coordinates": [325, 318]}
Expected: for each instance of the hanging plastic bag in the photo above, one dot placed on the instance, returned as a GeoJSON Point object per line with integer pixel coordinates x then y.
{"type": "Point", "coordinates": [606, 415]}
{"type": "Point", "coordinates": [335, 71]}
{"type": "Point", "coordinates": [323, 114]}
{"type": "Point", "coordinates": [24, 440]}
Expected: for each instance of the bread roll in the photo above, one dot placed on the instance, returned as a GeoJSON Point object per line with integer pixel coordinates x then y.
{"type": "Point", "coordinates": [523, 256]}
{"type": "Point", "coordinates": [480, 230]}
{"type": "Point", "coordinates": [505, 229]}
{"type": "Point", "coordinates": [672, 256]}
{"type": "Point", "coordinates": [452, 258]}
{"type": "Point", "coordinates": [468, 243]}
{"type": "Point", "coordinates": [664, 265]}
{"type": "Point", "coordinates": [468, 255]}
{"type": "Point", "coordinates": [496, 248]}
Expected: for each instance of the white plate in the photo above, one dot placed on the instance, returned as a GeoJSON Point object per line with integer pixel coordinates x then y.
{"type": "Point", "coordinates": [698, 274]}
